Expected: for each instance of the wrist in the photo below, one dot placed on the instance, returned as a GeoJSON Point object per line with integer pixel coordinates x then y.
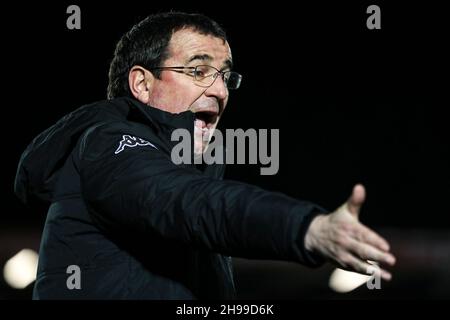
{"type": "Point", "coordinates": [313, 230]}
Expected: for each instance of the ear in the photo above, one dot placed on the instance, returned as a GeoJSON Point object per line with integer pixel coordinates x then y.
{"type": "Point", "coordinates": [140, 82]}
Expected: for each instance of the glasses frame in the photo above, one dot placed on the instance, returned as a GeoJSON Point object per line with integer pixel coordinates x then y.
{"type": "Point", "coordinates": [214, 75]}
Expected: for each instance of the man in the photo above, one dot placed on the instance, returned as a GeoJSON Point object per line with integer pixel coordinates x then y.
{"type": "Point", "coordinates": [140, 227]}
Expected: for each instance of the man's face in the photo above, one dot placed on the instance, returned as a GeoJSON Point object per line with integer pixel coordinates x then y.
{"type": "Point", "coordinates": [176, 92]}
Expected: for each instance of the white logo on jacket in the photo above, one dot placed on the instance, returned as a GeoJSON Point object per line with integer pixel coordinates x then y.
{"type": "Point", "coordinates": [132, 141]}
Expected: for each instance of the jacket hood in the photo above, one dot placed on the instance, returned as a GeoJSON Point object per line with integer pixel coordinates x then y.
{"type": "Point", "coordinates": [40, 163]}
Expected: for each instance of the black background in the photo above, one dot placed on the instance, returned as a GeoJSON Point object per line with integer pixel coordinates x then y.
{"type": "Point", "coordinates": [352, 104]}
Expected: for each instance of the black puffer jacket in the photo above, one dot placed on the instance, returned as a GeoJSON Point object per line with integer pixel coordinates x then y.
{"type": "Point", "coordinates": [139, 226]}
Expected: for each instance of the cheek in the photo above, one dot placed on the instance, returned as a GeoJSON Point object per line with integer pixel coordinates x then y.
{"type": "Point", "coordinates": [173, 95]}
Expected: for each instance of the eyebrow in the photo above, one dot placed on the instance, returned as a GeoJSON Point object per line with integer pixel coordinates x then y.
{"type": "Point", "coordinates": [201, 57]}
{"type": "Point", "coordinates": [228, 64]}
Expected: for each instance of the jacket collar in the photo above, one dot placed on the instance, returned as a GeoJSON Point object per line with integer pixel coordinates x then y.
{"type": "Point", "coordinates": [161, 121]}
{"type": "Point", "coordinates": [164, 123]}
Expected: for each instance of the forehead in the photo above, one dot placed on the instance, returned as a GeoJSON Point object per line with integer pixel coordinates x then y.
{"type": "Point", "coordinates": [186, 43]}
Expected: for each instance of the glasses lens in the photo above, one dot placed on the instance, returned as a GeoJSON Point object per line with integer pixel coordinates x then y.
{"type": "Point", "coordinates": [204, 74]}
{"type": "Point", "coordinates": [232, 80]}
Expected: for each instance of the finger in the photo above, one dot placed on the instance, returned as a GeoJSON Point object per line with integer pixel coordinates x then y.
{"type": "Point", "coordinates": [367, 252]}
{"type": "Point", "coordinates": [352, 263]}
{"type": "Point", "coordinates": [364, 234]}
{"type": "Point", "coordinates": [376, 271]}
{"type": "Point", "coordinates": [356, 200]}
{"type": "Point", "coordinates": [385, 275]}
{"type": "Point", "coordinates": [355, 264]}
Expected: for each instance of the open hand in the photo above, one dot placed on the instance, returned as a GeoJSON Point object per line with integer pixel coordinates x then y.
{"type": "Point", "coordinates": [341, 238]}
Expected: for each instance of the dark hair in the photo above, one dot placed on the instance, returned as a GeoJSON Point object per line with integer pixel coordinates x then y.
{"type": "Point", "coordinates": [147, 42]}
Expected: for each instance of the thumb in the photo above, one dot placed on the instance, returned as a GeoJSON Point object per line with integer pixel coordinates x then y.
{"type": "Point", "coordinates": [356, 200]}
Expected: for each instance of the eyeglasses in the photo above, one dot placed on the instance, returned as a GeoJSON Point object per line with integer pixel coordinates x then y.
{"type": "Point", "coordinates": [205, 75]}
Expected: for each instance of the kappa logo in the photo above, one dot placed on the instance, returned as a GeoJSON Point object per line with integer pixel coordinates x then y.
{"type": "Point", "coordinates": [132, 141]}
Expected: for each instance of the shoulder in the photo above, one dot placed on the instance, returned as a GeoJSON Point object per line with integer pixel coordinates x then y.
{"type": "Point", "coordinates": [113, 137]}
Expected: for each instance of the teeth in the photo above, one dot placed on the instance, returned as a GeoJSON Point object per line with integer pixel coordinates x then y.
{"type": "Point", "coordinates": [205, 134]}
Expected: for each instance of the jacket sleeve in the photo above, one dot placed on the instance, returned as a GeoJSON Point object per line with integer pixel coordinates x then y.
{"type": "Point", "coordinates": [140, 189]}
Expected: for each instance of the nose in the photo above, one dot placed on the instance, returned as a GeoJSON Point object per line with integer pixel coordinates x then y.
{"type": "Point", "coordinates": [218, 89]}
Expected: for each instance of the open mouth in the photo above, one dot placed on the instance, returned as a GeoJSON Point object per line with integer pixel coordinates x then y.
{"type": "Point", "coordinates": [206, 118]}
